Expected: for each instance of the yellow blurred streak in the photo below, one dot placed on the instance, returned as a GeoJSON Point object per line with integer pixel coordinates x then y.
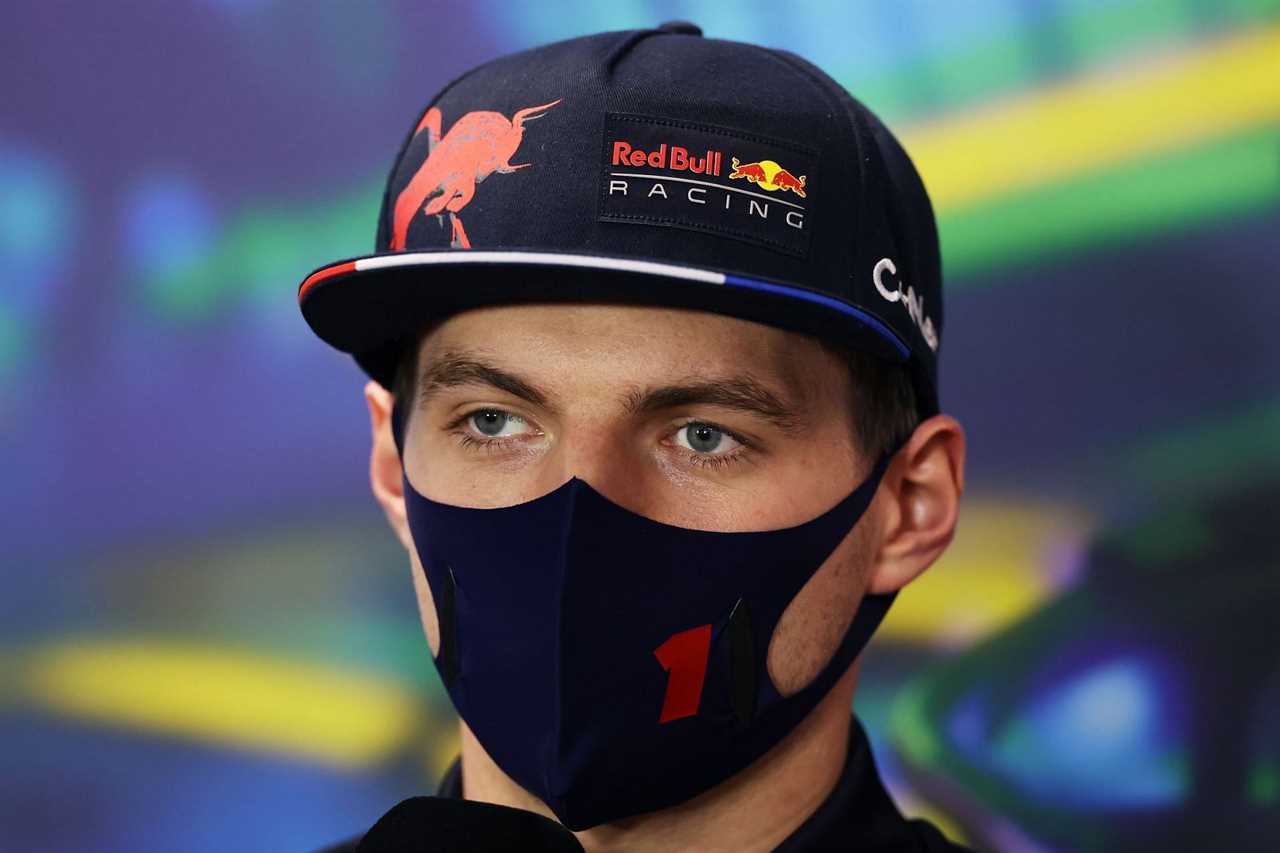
{"type": "Point", "coordinates": [225, 697]}
{"type": "Point", "coordinates": [998, 569]}
{"type": "Point", "coordinates": [443, 750]}
{"type": "Point", "coordinates": [1100, 120]}
{"type": "Point", "coordinates": [948, 826]}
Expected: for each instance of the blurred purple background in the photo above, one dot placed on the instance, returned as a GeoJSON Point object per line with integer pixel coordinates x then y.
{"type": "Point", "coordinates": [209, 634]}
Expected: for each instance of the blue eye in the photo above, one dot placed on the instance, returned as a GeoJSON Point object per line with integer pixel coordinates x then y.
{"type": "Point", "coordinates": [490, 421]}
{"type": "Point", "coordinates": [495, 423]}
{"type": "Point", "coordinates": [703, 438]}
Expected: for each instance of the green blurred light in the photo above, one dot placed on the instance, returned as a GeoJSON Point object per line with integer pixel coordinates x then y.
{"type": "Point", "coordinates": [263, 252]}
{"type": "Point", "coordinates": [12, 340]}
{"type": "Point", "coordinates": [1112, 29]}
{"type": "Point", "coordinates": [1167, 540]}
{"type": "Point", "coordinates": [1263, 787]}
{"type": "Point", "coordinates": [1073, 41]}
{"type": "Point", "coordinates": [1234, 176]}
{"type": "Point", "coordinates": [945, 81]}
{"type": "Point", "coordinates": [913, 731]}
{"type": "Point", "coordinates": [1238, 448]}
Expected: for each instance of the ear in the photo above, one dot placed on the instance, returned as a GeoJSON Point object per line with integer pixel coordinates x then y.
{"type": "Point", "coordinates": [919, 503]}
{"type": "Point", "coordinates": [384, 462]}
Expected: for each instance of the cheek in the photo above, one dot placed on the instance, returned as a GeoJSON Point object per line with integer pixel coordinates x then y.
{"type": "Point", "coordinates": [443, 471]}
{"type": "Point", "coordinates": [426, 604]}
{"type": "Point", "coordinates": [815, 621]}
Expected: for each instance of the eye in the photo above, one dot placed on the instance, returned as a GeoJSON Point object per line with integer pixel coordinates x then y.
{"type": "Point", "coordinates": [495, 423]}
{"type": "Point", "coordinates": [705, 438]}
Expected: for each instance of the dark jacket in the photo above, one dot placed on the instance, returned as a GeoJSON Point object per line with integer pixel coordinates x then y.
{"type": "Point", "coordinates": [858, 814]}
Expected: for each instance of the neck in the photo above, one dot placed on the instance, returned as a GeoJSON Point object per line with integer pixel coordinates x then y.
{"type": "Point", "coordinates": [755, 809]}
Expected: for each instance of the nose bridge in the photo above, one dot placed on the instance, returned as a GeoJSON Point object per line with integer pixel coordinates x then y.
{"type": "Point", "coordinates": [603, 450]}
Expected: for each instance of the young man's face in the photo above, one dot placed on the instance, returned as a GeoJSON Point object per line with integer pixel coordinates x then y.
{"type": "Point", "coordinates": [686, 417]}
{"type": "Point", "coordinates": [517, 399]}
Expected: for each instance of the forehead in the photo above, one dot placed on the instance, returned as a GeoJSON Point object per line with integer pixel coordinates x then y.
{"type": "Point", "coordinates": [634, 343]}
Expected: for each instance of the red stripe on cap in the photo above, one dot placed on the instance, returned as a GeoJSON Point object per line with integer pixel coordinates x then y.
{"type": "Point", "coordinates": [320, 275]}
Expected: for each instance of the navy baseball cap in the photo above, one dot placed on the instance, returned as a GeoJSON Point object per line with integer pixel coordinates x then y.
{"type": "Point", "coordinates": [649, 167]}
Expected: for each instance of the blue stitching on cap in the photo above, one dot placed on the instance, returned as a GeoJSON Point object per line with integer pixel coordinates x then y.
{"type": "Point", "coordinates": [809, 296]}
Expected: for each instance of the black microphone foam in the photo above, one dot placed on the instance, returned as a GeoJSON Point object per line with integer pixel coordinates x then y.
{"type": "Point", "coordinates": [440, 825]}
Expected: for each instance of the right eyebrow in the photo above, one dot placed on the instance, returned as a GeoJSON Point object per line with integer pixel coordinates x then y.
{"type": "Point", "coordinates": [453, 370]}
{"type": "Point", "coordinates": [742, 393]}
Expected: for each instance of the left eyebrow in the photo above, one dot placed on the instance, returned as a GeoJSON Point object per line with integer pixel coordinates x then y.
{"type": "Point", "coordinates": [741, 393]}
{"type": "Point", "coordinates": [455, 369]}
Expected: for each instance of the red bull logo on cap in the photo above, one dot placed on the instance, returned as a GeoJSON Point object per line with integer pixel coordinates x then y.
{"type": "Point", "coordinates": [671, 173]}
{"type": "Point", "coordinates": [768, 175]}
{"type": "Point", "coordinates": [680, 160]}
{"type": "Point", "coordinates": [478, 145]}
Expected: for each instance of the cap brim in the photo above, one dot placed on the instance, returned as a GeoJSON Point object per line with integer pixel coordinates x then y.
{"type": "Point", "coordinates": [370, 306]}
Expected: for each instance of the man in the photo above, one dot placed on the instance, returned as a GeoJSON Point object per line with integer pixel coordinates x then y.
{"type": "Point", "coordinates": [653, 329]}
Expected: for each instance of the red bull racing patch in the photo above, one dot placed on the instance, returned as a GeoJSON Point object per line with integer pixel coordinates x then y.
{"type": "Point", "coordinates": [707, 178]}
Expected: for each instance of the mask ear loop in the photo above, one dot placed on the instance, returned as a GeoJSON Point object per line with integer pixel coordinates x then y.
{"type": "Point", "coordinates": [397, 427]}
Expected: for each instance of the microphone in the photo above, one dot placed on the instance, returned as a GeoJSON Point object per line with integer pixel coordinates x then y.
{"type": "Point", "coordinates": [443, 825]}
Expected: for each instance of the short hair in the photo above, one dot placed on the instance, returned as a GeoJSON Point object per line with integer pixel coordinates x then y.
{"type": "Point", "coordinates": [886, 409]}
{"type": "Point", "coordinates": [885, 406]}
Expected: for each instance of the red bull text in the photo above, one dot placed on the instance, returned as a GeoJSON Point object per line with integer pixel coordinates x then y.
{"type": "Point", "coordinates": [681, 160]}
{"type": "Point", "coordinates": [765, 174]}
{"type": "Point", "coordinates": [709, 179]}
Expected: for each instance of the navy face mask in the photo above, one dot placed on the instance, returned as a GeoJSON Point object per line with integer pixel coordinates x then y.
{"type": "Point", "coordinates": [612, 664]}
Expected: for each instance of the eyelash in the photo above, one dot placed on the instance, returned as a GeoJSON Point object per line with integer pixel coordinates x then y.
{"type": "Point", "coordinates": [467, 440]}
{"type": "Point", "coordinates": [489, 445]}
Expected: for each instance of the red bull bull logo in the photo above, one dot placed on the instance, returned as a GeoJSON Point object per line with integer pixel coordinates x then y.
{"type": "Point", "coordinates": [768, 175]}
{"type": "Point", "coordinates": [478, 145]}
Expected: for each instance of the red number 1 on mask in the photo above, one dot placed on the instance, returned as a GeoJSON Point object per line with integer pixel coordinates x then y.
{"type": "Point", "coordinates": [684, 657]}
